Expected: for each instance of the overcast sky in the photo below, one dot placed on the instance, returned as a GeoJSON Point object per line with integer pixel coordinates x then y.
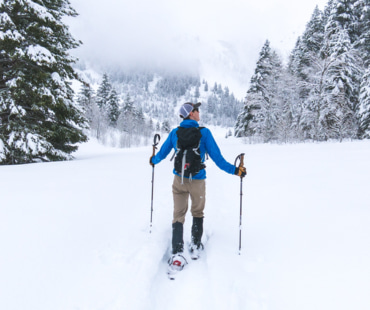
{"type": "Point", "coordinates": [175, 32]}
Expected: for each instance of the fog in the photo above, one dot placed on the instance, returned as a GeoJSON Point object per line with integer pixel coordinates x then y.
{"type": "Point", "coordinates": [216, 37]}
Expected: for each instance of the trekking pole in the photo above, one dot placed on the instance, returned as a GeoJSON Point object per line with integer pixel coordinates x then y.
{"type": "Point", "coordinates": [241, 164]}
{"type": "Point", "coordinates": [155, 143]}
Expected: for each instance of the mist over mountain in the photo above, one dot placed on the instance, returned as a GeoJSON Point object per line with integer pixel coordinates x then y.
{"type": "Point", "coordinates": [220, 41]}
{"type": "Point", "coordinates": [220, 62]}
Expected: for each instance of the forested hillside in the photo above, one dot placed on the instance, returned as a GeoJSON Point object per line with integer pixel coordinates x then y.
{"type": "Point", "coordinates": [126, 108]}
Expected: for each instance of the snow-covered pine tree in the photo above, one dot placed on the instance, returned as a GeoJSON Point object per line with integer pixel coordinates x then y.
{"type": "Point", "coordinates": [306, 52]}
{"type": "Point", "coordinates": [312, 120]}
{"type": "Point", "coordinates": [363, 9]}
{"type": "Point", "coordinates": [344, 73]}
{"type": "Point", "coordinates": [258, 116]}
{"type": "Point", "coordinates": [364, 46]}
{"type": "Point", "coordinates": [313, 35]}
{"type": "Point", "coordinates": [214, 89]}
{"type": "Point", "coordinates": [197, 93]}
{"type": "Point", "coordinates": [38, 119]}
{"type": "Point", "coordinates": [103, 93]}
{"type": "Point", "coordinates": [256, 95]}
{"type": "Point", "coordinates": [86, 100]}
{"type": "Point", "coordinates": [304, 65]}
{"type": "Point", "coordinates": [166, 127]}
{"type": "Point", "coordinates": [364, 109]}
{"type": "Point", "coordinates": [243, 126]}
{"type": "Point", "coordinates": [288, 107]}
{"type": "Point", "coordinates": [126, 120]}
{"type": "Point", "coordinates": [142, 127]}
{"type": "Point", "coordinates": [113, 108]}
{"type": "Point", "coordinates": [226, 92]}
{"type": "Point", "coordinates": [327, 10]}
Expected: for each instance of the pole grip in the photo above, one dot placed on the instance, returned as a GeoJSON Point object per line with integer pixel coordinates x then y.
{"type": "Point", "coordinates": [241, 160]}
{"type": "Point", "coordinates": [156, 140]}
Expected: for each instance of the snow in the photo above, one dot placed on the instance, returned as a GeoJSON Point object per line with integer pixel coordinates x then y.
{"type": "Point", "coordinates": [40, 54]}
{"type": "Point", "coordinates": [152, 84]}
{"type": "Point", "coordinates": [41, 11]}
{"type": "Point", "coordinates": [75, 235]}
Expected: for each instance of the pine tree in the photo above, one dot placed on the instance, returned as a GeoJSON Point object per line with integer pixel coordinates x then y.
{"type": "Point", "coordinates": [113, 108]}
{"type": "Point", "coordinates": [166, 127]}
{"type": "Point", "coordinates": [288, 108]}
{"type": "Point", "coordinates": [363, 9]}
{"type": "Point", "coordinates": [327, 10]}
{"type": "Point", "coordinates": [314, 33]}
{"type": "Point", "coordinates": [197, 93]}
{"type": "Point", "coordinates": [364, 109]}
{"type": "Point", "coordinates": [226, 92]}
{"type": "Point", "coordinates": [38, 118]}
{"type": "Point", "coordinates": [243, 125]}
{"type": "Point", "coordinates": [306, 52]}
{"type": "Point", "coordinates": [214, 89]}
{"type": "Point", "coordinates": [127, 119]}
{"type": "Point", "coordinates": [86, 100]}
{"type": "Point", "coordinates": [303, 66]}
{"type": "Point", "coordinates": [128, 105]}
{"type": "Point", "coordinates": [364, 45]}
{"type": "Point", "coordinates": [258, 116]}
{"type": "Point", "coordinates": [103, 93]}
{"type": "Point", "coordinates": [344, 73]}
{"type": "Point", "coordinates": [142, 127]}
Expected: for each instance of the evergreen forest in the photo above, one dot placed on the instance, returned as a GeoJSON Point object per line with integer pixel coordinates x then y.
{"type": "Point", "coordinates": [321, 93]}
{"type": "Point", "coordinates": [125, 109]}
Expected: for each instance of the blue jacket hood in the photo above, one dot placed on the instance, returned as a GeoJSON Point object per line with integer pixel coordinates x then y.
{"type": "Point", "coordinates": [187, 123]}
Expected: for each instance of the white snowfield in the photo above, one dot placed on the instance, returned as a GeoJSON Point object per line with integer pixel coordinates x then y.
{"type": "Point", "coordinates": [75, 235]}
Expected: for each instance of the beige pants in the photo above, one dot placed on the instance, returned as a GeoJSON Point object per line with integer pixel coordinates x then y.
{"type": "Point", "coordinates": [196, 189]}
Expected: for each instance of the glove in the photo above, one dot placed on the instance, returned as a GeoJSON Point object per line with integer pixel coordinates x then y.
{"type": "Point", "coordinates": [150, 161]}
{"type": "Point", "coordinates": [240, 171]}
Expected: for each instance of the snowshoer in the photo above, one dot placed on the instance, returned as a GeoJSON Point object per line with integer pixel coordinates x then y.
{"type": "Point", "coordinates": [187, 184]}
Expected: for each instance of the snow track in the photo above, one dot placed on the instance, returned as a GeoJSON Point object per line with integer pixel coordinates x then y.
{"type": "Point", "coordinates": [193, 280]}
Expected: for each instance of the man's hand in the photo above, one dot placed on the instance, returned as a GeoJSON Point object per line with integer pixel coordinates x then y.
{"type": "Point", "coordinates": [240, 171]}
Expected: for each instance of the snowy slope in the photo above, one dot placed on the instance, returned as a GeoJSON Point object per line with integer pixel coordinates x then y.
{"type": "Point", "coordinates": [75, 235]}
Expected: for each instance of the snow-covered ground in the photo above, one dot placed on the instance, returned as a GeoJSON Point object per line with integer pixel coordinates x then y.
{"type": "Point", "coordinates": [75, 235]}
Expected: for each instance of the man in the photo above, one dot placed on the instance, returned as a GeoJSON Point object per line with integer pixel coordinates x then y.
{"type": "Point", "coordinates": [193, 185]}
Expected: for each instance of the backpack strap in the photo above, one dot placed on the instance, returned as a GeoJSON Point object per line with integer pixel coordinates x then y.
{"type": "Point", "coordinates": [177, 149]}
{"type": "Point", "coordinates": [183, 166]}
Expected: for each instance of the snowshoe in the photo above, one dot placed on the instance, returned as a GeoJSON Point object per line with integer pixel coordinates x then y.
{"type": "Point", "coordinates": [176, 263]}
{"type": "Point", "coordinates": [195, 250]}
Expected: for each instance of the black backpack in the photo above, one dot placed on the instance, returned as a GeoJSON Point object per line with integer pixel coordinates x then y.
{"type": "Point", "coordinates": [187, 157]}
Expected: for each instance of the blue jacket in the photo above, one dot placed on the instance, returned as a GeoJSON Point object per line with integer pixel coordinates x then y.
{"type": "Point", "coordinates": [207, 145]}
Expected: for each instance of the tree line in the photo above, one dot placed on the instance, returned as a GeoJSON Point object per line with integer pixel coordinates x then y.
{"type": "Point", "coordinates": [323, 92]}
{"type": "Point", "coordinates": [108, 116]}
{"type": "Point", "coordinates": [134, 108]}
